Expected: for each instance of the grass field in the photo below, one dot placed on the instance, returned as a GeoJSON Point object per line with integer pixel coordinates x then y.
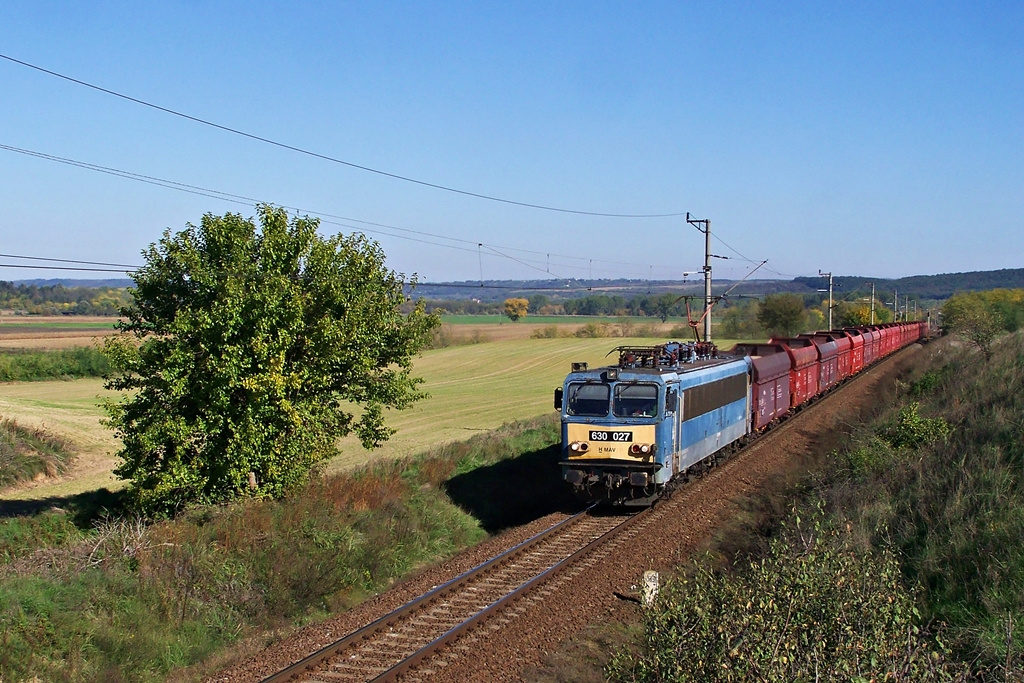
{"type": "Point", "coordinates": [53, 332]}
{"type": "Point", "coordinates": [472, 389]}
{"type": "Point", "coordinates": [70, 410]}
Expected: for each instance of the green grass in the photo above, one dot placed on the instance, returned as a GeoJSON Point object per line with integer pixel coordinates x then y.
{"type": "Point", "coordinates": [122, 601]}
{"type": "Point", "coordinates": [24, 365]}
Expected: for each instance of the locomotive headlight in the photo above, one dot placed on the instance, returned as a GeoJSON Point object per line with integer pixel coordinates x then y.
{"type": "Point", "coordinates": [644, 448]}
{"type": "Point", "coordinates": [574, 446]}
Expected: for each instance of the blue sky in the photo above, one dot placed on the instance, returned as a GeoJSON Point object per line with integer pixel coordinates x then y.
{"type": "Point", "coordinates": [879, 139]}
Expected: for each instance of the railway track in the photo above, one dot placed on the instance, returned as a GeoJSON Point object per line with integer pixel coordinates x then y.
{"type": "Point", "coordinates": [398, 643]}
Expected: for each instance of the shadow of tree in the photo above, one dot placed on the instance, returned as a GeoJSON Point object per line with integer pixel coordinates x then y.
{"type": "Point", "coordinates": [513, 491]}
{"type": "Point", "coordinates": [84, 508]}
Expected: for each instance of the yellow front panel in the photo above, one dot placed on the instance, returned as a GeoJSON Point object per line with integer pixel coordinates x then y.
{"type": "Point", "coordinates": [608, 448]}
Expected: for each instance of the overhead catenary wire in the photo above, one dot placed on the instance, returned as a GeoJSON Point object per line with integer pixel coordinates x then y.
{"type": "Point", "coordinates": [326, 217]}
{"type": "Point", "coordinates": [482, 284]}
{"type": "Point", "coordinates": [325, 157]}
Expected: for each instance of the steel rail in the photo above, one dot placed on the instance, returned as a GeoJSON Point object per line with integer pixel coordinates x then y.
{"type": "Point", "coordinates": [494, 608]}
{"type": "Point", "coordinates": [317, 658]}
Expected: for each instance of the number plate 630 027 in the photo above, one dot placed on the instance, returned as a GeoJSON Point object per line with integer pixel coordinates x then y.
{"type": "Point", "coordinates": [603, 435]}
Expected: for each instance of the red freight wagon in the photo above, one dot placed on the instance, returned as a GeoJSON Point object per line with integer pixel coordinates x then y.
{"type": "Point", "coordinates": [856, 349]}
{"type": "Point", "coordinates": [881, 350]}
{"type": "Point", "coordinates": [769, 388]}
{"type": "Point", "coordinates": [803, 375]}
{"type": "Point", "coordinates": [892, 337]}
{"type": "Point", "coordinates": [895, 330]}
{"type": "Point", "coordinates": [845, 346]}
{"type": "Point", "coordinates": [828, 359]}
{"type": "Point", "coordinates": [871, 337]}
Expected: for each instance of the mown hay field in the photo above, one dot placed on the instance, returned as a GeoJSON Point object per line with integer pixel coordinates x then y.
{"type": "Point", "coordinates": [53, 332]}
{"type": "Point", "coordinates": [472, 388]}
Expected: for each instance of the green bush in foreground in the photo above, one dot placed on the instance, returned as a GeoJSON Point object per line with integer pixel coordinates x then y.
{"type": "Point", "coordinates": [815, 608]}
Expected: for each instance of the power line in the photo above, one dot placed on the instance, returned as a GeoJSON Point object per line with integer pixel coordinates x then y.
{"type": "Point", "coordinates": [64, 260]}
{"type": "Point", "coordinates": [331, 159]}
{"type": "Point", "coordinates": [26, 265]}
{"type": "Point", "coordinates": [457, 285]}
{"type": "Point", "coordinates": [325, 217]}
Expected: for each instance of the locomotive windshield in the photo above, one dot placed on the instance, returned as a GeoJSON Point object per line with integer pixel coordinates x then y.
{"type": "Point", "coordinates": [588, 400]}
{"type": "Point", "coordinates": [635, 400]}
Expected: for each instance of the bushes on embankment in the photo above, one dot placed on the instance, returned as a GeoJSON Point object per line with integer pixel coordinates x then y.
{"type": "Point", "coordinates": [116, 599]}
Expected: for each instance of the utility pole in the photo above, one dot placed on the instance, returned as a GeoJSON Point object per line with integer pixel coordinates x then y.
{"type": "Point", "coordinates": [829, 276]}
{"type": "Point", "coordinates": [895, 306]}
{"type": "Point", "coordinates": [706, 229]}
{"type": "Point", "coordinates": [872, 303]}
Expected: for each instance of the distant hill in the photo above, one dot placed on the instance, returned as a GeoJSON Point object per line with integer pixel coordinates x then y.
{"type": "Point", "coordinates": [938, 287]}
{"type": "Point", "coordinates": [921, 287]}
{"type": "Point", "coordinates": [65, 282]}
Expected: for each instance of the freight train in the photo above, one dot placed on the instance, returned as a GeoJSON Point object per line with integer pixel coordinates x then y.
{"type": "Point", "coordinates": [630, 429]}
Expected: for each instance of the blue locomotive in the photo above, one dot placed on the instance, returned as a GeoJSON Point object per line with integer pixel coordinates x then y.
{"type": "Point", "coordinates": [629, 428]}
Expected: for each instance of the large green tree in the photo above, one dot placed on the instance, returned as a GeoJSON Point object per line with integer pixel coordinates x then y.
{"type": "Point", "coordinates": [782, 314]}
{"type": "Point", "coordinates": [249, 350]}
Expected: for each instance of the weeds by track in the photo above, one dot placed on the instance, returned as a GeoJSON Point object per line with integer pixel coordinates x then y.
{"type": "Point", "coordinates": [397, 643]}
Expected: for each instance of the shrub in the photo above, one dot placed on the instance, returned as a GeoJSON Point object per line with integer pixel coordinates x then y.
{"type": "Point", "coordinates": [816, 608]}
{"type": "Point", "coordinates": [910, 430]}
{"type": "Point", "coordinates": [546, 332]}
{"type": "Point", "coordinates": [681, 332]}
{"type": "Point", "coordinates": [445, 336]}
{"type": "Point", "coordinates": [593, 331]}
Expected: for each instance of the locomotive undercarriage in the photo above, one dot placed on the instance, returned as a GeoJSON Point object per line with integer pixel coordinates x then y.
{"type": "Point", "coordinates": [625, 484]}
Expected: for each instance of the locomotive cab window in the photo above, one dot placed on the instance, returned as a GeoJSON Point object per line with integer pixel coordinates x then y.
{"type": "Point", "coordinates": [588, 400]}
{"type": "Point", "coordinates": [635, 400]}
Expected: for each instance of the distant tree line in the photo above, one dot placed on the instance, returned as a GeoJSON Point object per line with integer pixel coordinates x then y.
{"type": "Point", "coordinates": [662, 306]}
{"type": "Point", "coordinates": [60, 300]}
